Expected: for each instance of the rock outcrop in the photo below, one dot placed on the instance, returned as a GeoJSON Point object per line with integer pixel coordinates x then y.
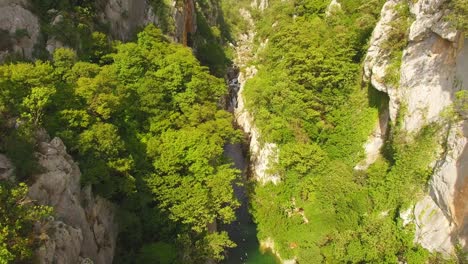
{"type": "Point", "coordinates": [185, 21]}
{"type": "Point", "coordinates": [82, 227]}
{"type": "Point", "coordinates": [261, 154]}
{"type": "Point", "coordinates": [332, 8]}
{"type": "Point", "coordinates": [375, 142]}
{"type": "Point", "coordinates": [433, 69]}
{"type": "Point", "coordinates": [260, 4]}
{"type": "Point", "coordinates": [19, 29]}
{"type": "Point", "coordinates": [125, 17]}
{"type": "Point", "coordinates": [377, 62]}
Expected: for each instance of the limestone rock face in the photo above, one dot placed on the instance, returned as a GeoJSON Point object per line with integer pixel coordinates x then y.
{"type": "Point", "coordinates": [84, 225]}
{"type": "Point", "coordinates": [185, 21]}
{"type": "Point", "coordinates": [429, 63]}
{"type": "Point", "coordinates": [375, 142]}
{"type": "Point", "coordinates": [433, 69]}
{"type": "Point", "coordinates": [260, 4]}
{"type": "Point", "coordinates": [19, 29]}
{"type": "Point", "coordinates": [433, 227]}
{"type": "Point", "coordinates": [262, 155]}
{"type": "Point", "coordinates": [377, 62]}
{"type": "Point", "coordinates": [125, 17]}
{"type": "Point", "coordinates": [63, 244]}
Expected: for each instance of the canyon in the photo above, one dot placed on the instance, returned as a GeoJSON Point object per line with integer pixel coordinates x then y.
{"type": "Point", "coordinates": [432, 70]}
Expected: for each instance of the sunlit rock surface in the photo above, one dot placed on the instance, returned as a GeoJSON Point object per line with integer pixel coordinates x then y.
{"type": "Point", "coordinates": [83, 225]}
{"type": "Point", "coordinates": [433, 69]}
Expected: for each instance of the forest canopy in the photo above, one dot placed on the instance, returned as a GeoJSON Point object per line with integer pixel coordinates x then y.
{"type": "Point", "coordinates": [147, 131]}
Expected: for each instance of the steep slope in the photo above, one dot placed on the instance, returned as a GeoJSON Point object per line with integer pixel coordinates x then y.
{"type": "Point", "coordinates": [433, 69]}
{"type": "Point", "coordinates": [19, 29]}
{"type": "Point", "coordinates": [34, 29]}
{"type": "Point", "coordinates": [262, 154]}
{"type": "Point", "coordinates": [83, 225]}
{"type": "Point", "coordinates": [298, 98]}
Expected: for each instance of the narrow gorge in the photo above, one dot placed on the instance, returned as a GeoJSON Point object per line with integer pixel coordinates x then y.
{"type": "Point", "coordinates": [233, 131]}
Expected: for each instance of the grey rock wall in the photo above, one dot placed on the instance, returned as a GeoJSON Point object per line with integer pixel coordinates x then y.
{"type": "Point", "coordinates": [83, 226]}
{"type": "Point", "coordinates": [19, 28]}
{"type": "Point", "coordinates": [434, 67]}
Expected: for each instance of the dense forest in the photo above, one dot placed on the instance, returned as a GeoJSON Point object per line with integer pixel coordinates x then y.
{"type": "Point", "coordinates": [148, 134]}
{"type": "Point", "coordinates": [311, 102]}
{"type": "Point", "coordinates": [146, 122]}
{"type": "Point", "coordinates": [309, 98]}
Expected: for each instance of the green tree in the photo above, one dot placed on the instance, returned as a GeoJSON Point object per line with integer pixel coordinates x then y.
{"type": "Point", "coordinates": [36, 102]}
{"type": "Point", "coordinates": [17, 217]}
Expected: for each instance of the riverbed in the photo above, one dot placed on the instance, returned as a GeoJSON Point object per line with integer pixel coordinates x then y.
{"type": "Point", "coordinates": [243, 231]}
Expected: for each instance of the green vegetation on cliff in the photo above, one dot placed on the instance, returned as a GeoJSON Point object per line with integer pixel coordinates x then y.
{"type": "Point", "coordinates": [148, 134]}
{"type": "Point", "coordinates": [307, 98]}
{"type": "Point", "coordinates": [17, 217]}
{"type": "Point", "coordinates": [143, 120]}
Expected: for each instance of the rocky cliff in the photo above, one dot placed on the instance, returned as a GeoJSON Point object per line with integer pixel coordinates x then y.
{"type": "Point", "coordinates": [125, 17]}
{"type": "Point", "coordinates": [185, 20]}
{"type": "Point", "coordinates": [19, 29]}
{"type": "Point", "coordinates": [262, 154]}
{"type": "Point", "coordinates": [82, 228]}
{"type": "Point", "coordinates": [433, 69]}
{"type": "Point", "coordinates": [20, 26]}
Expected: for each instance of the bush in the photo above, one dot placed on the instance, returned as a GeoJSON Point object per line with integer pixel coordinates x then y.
{"type": "Point", "coordinates": [19, 146]}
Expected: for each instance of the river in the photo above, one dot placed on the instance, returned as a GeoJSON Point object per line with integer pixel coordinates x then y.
{"type": "Point", "coordinates": [243, 231]}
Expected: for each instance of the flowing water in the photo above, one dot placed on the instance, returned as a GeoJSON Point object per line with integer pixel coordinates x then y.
{"type": "Point", "coordinates": [243, 231]}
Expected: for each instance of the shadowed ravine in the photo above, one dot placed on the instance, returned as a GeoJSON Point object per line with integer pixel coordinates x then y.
{"type": "Point", "coordinates": [243, 231]}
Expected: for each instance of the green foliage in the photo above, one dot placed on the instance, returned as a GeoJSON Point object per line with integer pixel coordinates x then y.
{"type": "Point", "coordinates": [461, 104]}
{"type": "Point", "coordinates": [234, 22]}
{"type": "Point", "coordinates": [145, 127]}
{"type": "Point", "coordinates": [195, 191]}
{"type": "Point", "coordinates": [458, 17]}
{"type": "Point", "coordinates": [75, 23]}
{"type": "Point", "coordinates": [214, 244]}
{"type": "Point", "coordinates": [306, 98]}
{"type": "Point", "coordinates": [16, 83]}
{"type": "Point", "coordinates": [63, 60]}
{"type": "Point", "coordinates": [17, 217]}
{"type": "Point", "coordinates": [157, 253]}
{"type": "Point", "coordinates": [19, 146]}
{"type": "Point", "coordinates": [21, 33]}
{"type": "Point", "coordinates": [163, 11]}
{"type": "Point", "coordinates": [209, 49]}
{"type": "Point", "coordinates": [213, 34]}
{"type": "Point", "coordinates": [396, 41]}
{"type": "Point", "coordinates": [35, 103]}
{"type": "Point", "coordinates": [409, 172]}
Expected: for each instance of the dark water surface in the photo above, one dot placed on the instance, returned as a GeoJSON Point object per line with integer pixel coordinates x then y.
{"type": "Point", "coordinates": [243, 231]}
